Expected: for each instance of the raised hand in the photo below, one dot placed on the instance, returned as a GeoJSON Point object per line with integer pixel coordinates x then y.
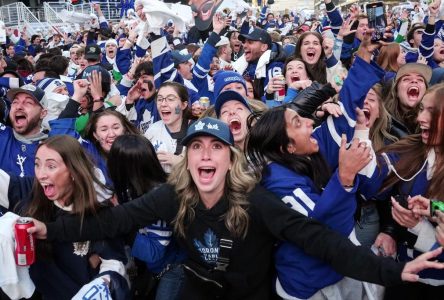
{"type": "Point", "coordinates": [412, 268]}
{"type": "Point", "coordinates": [346, 28]}
{"type": "Point", "coordinates": [352, 159]}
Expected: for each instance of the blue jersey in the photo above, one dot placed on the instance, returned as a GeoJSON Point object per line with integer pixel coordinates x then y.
{"type": "Point", "coordinates": [164, 69]}
{"type": "Point", "coordinates": [301, 275]}
{"type": "Point", "coordinates": [18, 153]}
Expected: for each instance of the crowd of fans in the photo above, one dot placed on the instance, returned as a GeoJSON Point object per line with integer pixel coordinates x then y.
{"type": "Point", "coordinates": [270, 156]}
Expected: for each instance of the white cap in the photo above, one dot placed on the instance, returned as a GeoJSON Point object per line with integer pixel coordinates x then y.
{"type": "Point", "coordinates": [223, 41]}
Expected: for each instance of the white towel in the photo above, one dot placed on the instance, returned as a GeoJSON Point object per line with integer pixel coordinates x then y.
{"type": "Point", "coordinates": [241, 65]}
{"type": "Point", "coordinates": [14, 280]}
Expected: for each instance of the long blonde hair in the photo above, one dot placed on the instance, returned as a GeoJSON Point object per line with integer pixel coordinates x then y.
{"type": "Point", "coordinates": [238, 182]}
{"type": "Point", "coordinates": [379, 132]}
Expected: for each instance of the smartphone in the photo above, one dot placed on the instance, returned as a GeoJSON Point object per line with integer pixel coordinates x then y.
{"type": "Point", "coordinates": [376, 19]}
{"type": "Point", "coordinates": [436, 205]}
{"type": "Point", "coordinates": [402, 200]}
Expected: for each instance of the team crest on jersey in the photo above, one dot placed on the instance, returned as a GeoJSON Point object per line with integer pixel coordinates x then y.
{"type": "Point", "coordinates": [208, 247]}
{"type": "Point", "coordinates": [81, 248]}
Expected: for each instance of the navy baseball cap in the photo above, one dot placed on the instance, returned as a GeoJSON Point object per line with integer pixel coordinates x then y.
{"type": "Point", "coordinates": [258, 34]}
{"type": "Point", "coordinates": [179, 58]}
{"type": "Point", "coordinates": [35, 92]}
{"type": "Point", "coordinates": [228, 96]}
{"type": "Point", "coordinates": [209, 127]}
{"type": "Point", "coordinates": [93, 52]}
{"type": "Point", "coordinates": [106, 77]}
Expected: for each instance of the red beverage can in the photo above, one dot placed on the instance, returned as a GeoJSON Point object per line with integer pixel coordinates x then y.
{"type": "Point", "coordinates": [280, 94]}
{"type": "Point", "coordinates": [24, 242]}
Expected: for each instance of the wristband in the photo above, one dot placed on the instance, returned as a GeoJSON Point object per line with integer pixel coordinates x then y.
{"type": "Point", "coordinates": [101, 99]}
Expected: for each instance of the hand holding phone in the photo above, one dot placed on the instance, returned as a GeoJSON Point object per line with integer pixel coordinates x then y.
{"type": "Point", "coordinates": [376, 20]}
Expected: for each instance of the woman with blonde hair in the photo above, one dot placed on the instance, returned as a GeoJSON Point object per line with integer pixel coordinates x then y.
{"type": "Point", "coordinates": [228, 225]}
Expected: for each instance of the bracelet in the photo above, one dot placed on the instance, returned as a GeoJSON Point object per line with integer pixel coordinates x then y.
{"type": "Point", "coordinates": [101, 99]}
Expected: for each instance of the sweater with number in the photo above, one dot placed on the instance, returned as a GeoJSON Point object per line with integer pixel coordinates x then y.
{"type": "Point", "coordinates": [248, 274]}
{"type": "Point", "coordinates": [301, 275]}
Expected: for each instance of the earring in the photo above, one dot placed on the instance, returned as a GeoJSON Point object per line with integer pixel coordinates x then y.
{"type": "Point", "coordinates": [72, 178]}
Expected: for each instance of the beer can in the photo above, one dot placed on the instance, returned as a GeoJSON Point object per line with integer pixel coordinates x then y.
{"type": "Point", "coordinates": [280, 94]}
{"type": "Point", "coordinates": [24, 242]}
{"type": "Point", "coordinates": [204, 101]}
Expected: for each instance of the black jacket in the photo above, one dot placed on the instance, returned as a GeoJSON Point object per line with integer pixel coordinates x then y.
{"type": "Point", "coordinates": [249, 273]}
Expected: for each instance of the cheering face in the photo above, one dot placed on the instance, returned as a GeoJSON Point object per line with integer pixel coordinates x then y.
{"type": "Point", "coordinates": [235, 114]}
{"type": "Point", "coordinates": [214, 66]}
{"type": "Point", "coordinates": [438, 50]}
{"type": "Point", "coordinates": [53, 175]}
{"type": "Point", "coordinates": [108, 128]}
{"type": "Point", "coordinates": [299, 131]}
{"type": "Point", "coordinates": [411, 88]}
{"type": "Point", "coordinates": [254, 49]}
{"type": "Point", "coordinates": [295, 71]}
{"type": "Point", "coordinates": [26, 114]}
{"type": "Point", "coordinates": [170, 107]}
{"type": "Point", "coordinates": [203, 8]}
{"type": "Point", "coordinates": [147, 86]}
{"type": "Point", "coordinates": [371, 108]}
{"type": "Point", "coordinates": [111, 50]}
{"type": "Point", "coordinates": [311, 49]}
{"type": "Point", "coordinates": [426, 109]}
{"type": "Point", "coordinates": [208, 163]}
{"type": "Point", "coordinates": [235, 43]}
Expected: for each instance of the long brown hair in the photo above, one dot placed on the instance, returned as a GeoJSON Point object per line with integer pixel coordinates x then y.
{"type": "Point", "coordinates": [388, 57]}
{"type": "Point", "coordinates": [379, 132]}
{"type": "Point", "coordinates": [317, 71]}
{"type": "Point", "coordinates": [91, 127]}
{"type": "Point", "coordinates": [238, 182]}
{"type": "Point", "coordinates": [436, 140]}
{"type": "Point", "coordinates": [394, 108]}
{"type": "Point", "coordinates": [81, 170]}
{"type": "Point", "coordinates": [413, 152]}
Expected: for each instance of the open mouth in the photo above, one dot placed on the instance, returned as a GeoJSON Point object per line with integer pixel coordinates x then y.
{"type": "Point", "coordinates": [311, 54]}
{"type": "Point", "coordinates": [48, 190]}
{"type": "Point", "coordinates": [367, 116]}
{"type": "Point", "coordinates": [205, 10]}
{"type": "Point", "coordinates": [295, 78]}
{"type": "Point", "coordinates": [441, 52]}
{"type": "Point", "coordinates": [413, 92]}
{"type": "Point", "coordinates": [20, 119]}
{"type": "Point", "coordinates": [425, 132]}
{"type": "Point", "coordinates": [165, 114]}
{"type": "Point", "coordinates": [206, 173]}
{"type": "Point", "coordinates": [235, 126]}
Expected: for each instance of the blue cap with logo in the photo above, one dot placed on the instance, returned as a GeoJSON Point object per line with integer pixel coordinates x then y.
{"type": "Point", "coordinates": [223, 78]}
{"type": "Point", "coordinates": [179, 57]}
{"type": "Point", "coordinates": [257, 34]}
{"type": "Point", "coordinates": [35, 92]}
{"type": "Point", "coordinates": [229, 96]}
{"type": "Point", "coordinates": [209, 127]}
{"type": "Point", "coordinates": [106, 77]}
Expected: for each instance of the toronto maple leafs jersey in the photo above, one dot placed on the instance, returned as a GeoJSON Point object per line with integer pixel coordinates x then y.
{"type": "Point", "coordinates": [300, 275]}
{"type": "Point", "coordinates": [17, 153]}
{"type": "Point", "coordinates": [164, 69]}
